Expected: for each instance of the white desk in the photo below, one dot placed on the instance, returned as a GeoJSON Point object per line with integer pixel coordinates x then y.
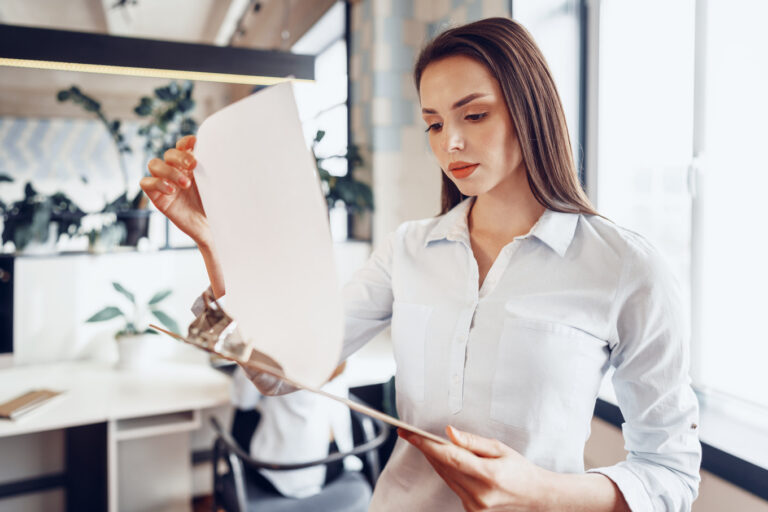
{"type": "Point", "coordinates": [132, 428]}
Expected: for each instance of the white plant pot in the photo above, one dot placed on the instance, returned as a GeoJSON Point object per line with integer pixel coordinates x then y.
{"type": "Point", "coordinates": [135, 351]}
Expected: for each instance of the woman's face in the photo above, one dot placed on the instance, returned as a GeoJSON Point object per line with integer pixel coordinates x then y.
{"type": "Point", "coordinates": [470, 130]}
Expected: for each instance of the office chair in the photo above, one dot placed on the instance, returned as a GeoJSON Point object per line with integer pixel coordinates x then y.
{"type": "Point", "coordinates": [350, 492]}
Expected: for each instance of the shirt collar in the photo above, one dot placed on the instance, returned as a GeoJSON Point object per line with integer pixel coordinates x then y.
{"type": "Point", "coordinates": [452, 225]}
{"type": "Point", "coordinates": [556, 229]}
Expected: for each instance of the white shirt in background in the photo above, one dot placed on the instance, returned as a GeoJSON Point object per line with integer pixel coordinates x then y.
{"type": "Point", "coordinates": [296, 427]}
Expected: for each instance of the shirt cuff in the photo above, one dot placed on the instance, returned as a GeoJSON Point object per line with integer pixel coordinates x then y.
{"type": "Point", "coordinates": [629, 484]}
{"type": "Point", "coordinates": [268, 384]}
{"type": "Point", "coordinates": [199, 305]}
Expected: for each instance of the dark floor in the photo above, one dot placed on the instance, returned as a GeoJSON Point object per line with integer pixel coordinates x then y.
{"type": "Point", "coordinates": [202, 504]}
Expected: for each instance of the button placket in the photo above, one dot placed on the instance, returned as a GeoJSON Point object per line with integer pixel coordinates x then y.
{"type": "Point", "coordinates": [499, 266]}
{"type": "Point", "coordinates": [458, 360]}
{"type": "Point", "coordinates": [460, 339]}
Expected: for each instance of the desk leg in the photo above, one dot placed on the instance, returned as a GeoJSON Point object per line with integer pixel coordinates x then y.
{"type": "Point", "coordinates": [86, 460]}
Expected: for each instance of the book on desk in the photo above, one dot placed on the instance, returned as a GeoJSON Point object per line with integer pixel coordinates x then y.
{"type": "Point", "coordinates": [26, 402]}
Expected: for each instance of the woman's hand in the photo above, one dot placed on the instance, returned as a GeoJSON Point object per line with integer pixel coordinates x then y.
{"type": "Point", "coordinates": [173, 190]}
{"type": "Point", "coordinates": [485, 473]}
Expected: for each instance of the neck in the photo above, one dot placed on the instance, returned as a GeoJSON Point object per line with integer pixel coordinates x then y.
{"type": "Point", "coordinates": [508, 210]}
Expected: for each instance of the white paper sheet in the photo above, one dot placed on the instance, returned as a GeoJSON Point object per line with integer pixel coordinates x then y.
{"type": "Point", "coordinates": [268, 217]}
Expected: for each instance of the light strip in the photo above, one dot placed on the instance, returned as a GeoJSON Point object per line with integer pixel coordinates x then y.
{"type": "Point", "coordinates": [147, 72]}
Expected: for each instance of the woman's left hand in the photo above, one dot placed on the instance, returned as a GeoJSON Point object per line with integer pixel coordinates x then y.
{"type": "Point", "coordinates": [484, 473]}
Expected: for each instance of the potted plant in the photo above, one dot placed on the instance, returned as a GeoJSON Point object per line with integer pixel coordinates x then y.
{"type": "Point", "coordinates": [135, 338]}
{"type": "Point", "coordinates": [103, 231]}
{"type": "Point", "coordinates": [34, 222]}
{"type": "Point", "coordinates": [355, 196]}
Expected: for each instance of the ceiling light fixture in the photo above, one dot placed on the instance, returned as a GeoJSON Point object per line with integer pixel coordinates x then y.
{"type": "Point", "coordinates": [41, 48]}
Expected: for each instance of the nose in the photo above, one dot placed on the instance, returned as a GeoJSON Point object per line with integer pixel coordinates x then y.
{"type": "Point", "coordinates": [453, 140]}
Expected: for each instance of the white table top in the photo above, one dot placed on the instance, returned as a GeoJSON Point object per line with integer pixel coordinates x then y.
{"type": "Point", "coordinates": [95, 392]}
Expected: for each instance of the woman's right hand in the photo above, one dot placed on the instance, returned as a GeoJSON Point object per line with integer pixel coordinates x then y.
{"type": "Point", "coordinates": [173, 190]}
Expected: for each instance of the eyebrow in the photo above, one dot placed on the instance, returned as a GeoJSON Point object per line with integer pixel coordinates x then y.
{"type": "Point", "coordinates": [463, 101]}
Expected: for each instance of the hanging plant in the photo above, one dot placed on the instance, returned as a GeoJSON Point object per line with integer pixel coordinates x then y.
{"type": "Point", "coordinates": [168, 117]}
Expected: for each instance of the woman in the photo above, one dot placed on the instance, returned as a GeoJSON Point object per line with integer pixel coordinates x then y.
{"type": "Point", "coordinates": [509, 307]}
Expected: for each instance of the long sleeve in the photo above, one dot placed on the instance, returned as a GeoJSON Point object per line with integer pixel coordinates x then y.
{"type": "Point", "coordinates": [368, 298]}
{"type": "Point", "coordinates": [650, 353]}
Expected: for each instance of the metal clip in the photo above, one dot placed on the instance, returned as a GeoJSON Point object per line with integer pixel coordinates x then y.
{"type": "Point", "coordinates": [216, 331]}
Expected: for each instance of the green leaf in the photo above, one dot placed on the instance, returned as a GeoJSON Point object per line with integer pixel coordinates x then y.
{"type": "Point", "coordinates": [107, 313]}
{"type": "Point", "coordinates": [125, 292]}
{"type": "Point", "coordinates": [186, 105]}
{"type": "Point", "coordinates": [166, 320]}
{"type": "Point", "coordinates": [164, 93]}
{"type": "Point", "coordinates": [150, 330]}
{"type": "Point", "coordinates": [159, 296]}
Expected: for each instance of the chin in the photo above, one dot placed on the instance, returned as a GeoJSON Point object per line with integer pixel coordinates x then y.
{"type": "Point", "coordinates": [470, 189]}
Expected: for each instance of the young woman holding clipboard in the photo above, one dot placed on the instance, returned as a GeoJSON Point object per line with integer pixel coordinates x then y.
{"type": "Point", "coordinates": [509, 307]}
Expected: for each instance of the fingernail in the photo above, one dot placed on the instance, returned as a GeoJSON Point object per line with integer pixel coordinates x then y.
{"type": "Point", "coordinates": [168, 187]}
{"type": "Point", "coordinates": [454, 433]}
{"type": "Point", "coordinates": [184, 181]}
{"type": "Point", "coordinates": [187, 161]}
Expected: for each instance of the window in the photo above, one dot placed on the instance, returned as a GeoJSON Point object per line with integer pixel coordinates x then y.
{"type": "Point", "coordinates": [681, 139]}
{"type": "Point", "coordinates": [323, 104]}
{"type": "Point", "coordinates": [730, 248]}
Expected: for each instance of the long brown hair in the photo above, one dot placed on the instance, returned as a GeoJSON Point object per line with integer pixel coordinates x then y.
{"type": "Point", "coordinates": [511, 55]}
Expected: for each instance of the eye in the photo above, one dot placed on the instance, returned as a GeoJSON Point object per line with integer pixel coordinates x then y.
{"type": "Point", "coordinates": [476, 117]}
{"type": "Point", "coordinates": [434, 126]}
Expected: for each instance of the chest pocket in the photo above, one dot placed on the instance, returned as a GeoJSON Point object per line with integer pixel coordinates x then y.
{"type": "Point", "coordinates": [547, 375]}
{"type": "Point", "coordinates": [409, 332]}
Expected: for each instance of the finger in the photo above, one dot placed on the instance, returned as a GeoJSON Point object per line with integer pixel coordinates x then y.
{"type": "Point", "coordinates": [449, 455]}
{"type": "Point", "coordinates": [186, 143]}
{"type": "Point", "coordinates": [173, 175]}
{"type": "Point", "coordinates": [460, 481]}
{"type": "Point", "coordinates": [459, 484]}
{"type": "Point", "coordinates": [180, 159]}
{"type": "Point", "coordinates": [150, 185]}
{"type": "Point", "coordinates": [479, 445]}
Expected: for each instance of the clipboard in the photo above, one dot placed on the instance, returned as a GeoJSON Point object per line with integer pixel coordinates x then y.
{"type": "Point", "coordinates": [216, 332]}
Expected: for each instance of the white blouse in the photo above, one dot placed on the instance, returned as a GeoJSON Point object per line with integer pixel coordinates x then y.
{"type": "Point", "coordinates": [521, 359]}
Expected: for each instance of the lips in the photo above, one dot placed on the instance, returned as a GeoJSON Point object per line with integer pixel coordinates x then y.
{"type": "Point", "coordinates": [462, 169]}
